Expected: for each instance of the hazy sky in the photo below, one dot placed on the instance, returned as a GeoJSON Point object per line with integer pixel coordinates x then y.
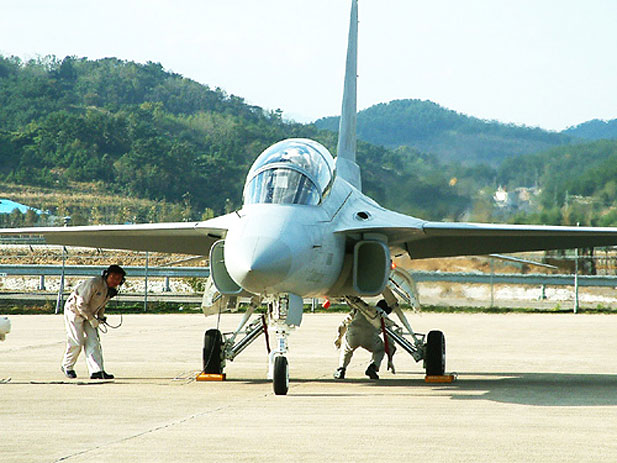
{"type": "Point", "coordinates": [541, 63]}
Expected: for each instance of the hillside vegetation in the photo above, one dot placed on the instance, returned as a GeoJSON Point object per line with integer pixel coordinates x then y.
{"type": "Point", "coordinates": [578, 183]}
{"type": "Point", "coordinates": [111, 141]}
{"type": "Point", "coordinates": [595, 129]}
{"type": "Point", "coordinates": [452, 136]}
{"type": "Point", "coordinates": [138, 131]}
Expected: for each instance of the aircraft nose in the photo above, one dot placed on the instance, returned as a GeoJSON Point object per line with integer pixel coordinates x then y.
{"type": "Point", "coordinates": [260, 262]}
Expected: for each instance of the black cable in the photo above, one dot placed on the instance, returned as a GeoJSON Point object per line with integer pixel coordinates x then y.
{"type": "Point", "coordinates": [104, 326]}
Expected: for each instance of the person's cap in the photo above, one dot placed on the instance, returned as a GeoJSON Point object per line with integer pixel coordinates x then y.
{"type": "Point", "coordinates": [115, 269]}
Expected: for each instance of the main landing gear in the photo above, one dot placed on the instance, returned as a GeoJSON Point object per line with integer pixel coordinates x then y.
{"type": "Point", "coordinates": [435, 354]}
{"type": "Point", "coordinates": [431, 348]}
{"type": "Point", "coordinates": [433, 351]}
{"type": "Point", "coordinates": [213, 361]}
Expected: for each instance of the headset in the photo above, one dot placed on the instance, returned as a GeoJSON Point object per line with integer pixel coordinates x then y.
{"type": "Point", "coordinates": [111, 293]}
{"type": "Point", "coordinates": [115, 269]}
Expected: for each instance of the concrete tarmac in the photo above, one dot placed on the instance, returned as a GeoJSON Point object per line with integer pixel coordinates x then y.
{"type": "Point", "coordinates": [530, 388]}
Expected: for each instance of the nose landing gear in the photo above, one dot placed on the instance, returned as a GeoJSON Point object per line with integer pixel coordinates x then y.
{"type": "Point", "coordinates": [280, 375]}
{"type": "Point", "coordinates": [284, 314]}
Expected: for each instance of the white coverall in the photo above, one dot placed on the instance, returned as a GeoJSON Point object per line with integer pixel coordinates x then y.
{"type": "Point", "coordinates": [81, 310]}
{"type": "Point", "coordinates": [356, 331]}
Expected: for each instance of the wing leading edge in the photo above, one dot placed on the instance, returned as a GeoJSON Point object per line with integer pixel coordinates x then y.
{"type": "Point", "coordinates": [422, 239]}
{"type": "Point", "coordinates": [194, 238]}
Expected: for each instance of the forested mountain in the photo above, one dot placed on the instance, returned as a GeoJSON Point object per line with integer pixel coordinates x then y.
{"type": "Point", "coordinates": [452, 136]}
{"type": "Point", "coordinates": [138, 131]}
{"type": "Point", "coordinates": [164, 147]}
{"type": "Point", "coordinates": [595, 129]}
{"type": "Point", "coordinates": [134, 128]}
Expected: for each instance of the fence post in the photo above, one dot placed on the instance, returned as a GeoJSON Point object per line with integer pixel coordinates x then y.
{"type": "Point", "coordinates": [146, 283]}
{"type": "Point", "coordinates": [576, 276]}
{"type": "Point", "coordinates": [492, 263]}
{"type": "Point", "coordinates": [576, 280]}
{"type": "Point", "coordinates": [60, 299]}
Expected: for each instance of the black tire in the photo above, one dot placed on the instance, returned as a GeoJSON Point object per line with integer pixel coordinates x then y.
{"type": "Point", "coordinates": [280, 377]}
{"type": "Point", "coordinates": [435, 353]}
{"type": "Point", "coordinates": [213, 343]}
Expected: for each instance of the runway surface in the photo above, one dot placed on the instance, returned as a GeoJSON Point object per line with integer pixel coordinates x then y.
{"type": "Point", "coordinates": [530, 388]}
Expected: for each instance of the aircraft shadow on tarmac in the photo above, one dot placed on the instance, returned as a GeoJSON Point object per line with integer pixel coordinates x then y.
{"type": "Point", "coordinates": [540, 389]}
{"type": "Point", "coordinates": [535, 389]}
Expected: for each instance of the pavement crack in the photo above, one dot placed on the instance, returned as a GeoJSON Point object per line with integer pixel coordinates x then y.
{"type": "Point", "coordinates": [143, 433]}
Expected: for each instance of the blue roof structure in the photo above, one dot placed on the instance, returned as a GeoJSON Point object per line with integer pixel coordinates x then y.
{"type": "Point", "coordinates": [7, 206]}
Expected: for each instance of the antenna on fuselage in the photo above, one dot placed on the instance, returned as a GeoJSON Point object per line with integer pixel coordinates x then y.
{"type": "Point", "coordinates": [346, 166]}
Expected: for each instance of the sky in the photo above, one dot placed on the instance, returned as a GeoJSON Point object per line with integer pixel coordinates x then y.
{"type": "Point", "coordinates": [541, 63]}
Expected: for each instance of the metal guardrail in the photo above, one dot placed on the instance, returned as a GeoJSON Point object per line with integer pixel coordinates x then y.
{"type": "Point", "coordinates": [204, 272]}
{"type": "Point", "coordinates": [515, 279]}
{"type": "Point", "coordinates": [22, 240]}
{"type": "Point", "coordinates": [91, 270]}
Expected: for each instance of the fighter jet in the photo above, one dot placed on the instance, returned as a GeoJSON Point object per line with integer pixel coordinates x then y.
{"type": "Point", "coordinates": [305, 229]}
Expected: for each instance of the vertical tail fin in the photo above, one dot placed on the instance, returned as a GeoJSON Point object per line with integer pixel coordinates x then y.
{"type": "Point", "coordinates": [346, 165]}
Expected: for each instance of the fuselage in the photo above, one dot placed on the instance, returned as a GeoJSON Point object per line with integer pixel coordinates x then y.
{"type": "Point", "coordinates": [277, 248]}
{"type": "Point", "coordinates": [284, 240]}
{"type": "Point", "coordinates": [304, 230]}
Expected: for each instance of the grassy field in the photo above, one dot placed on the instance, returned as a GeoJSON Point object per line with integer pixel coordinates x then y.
{"type": "Point", "coordinates": [92, 204]}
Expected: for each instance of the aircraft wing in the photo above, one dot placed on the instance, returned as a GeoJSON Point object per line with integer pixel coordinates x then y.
{"type": "Point", "coordinates": [424, 239]}
{"type": "Point", "coordinates": [442, 239]}
{"type": "Point", "coordinates": [180, 237]}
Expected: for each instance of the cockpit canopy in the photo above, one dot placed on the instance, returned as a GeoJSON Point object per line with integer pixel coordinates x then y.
{"type": "Point", "coordinates": [292, 171]}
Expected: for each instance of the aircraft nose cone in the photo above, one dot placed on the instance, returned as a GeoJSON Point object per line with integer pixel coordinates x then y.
{"type": "Point", "coordinates": [260, 262]}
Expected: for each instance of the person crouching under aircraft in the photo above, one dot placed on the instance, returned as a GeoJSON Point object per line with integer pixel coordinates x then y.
{"type": "Point", "coordinates": [356, 331]}
{"type": "Point", "coordinates": [83, 311]}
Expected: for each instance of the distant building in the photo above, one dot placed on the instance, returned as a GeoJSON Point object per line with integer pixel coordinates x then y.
{"type": "Point", "coordinates": [521, 199]}
{"type": "Point", "coordinates": [501, 197]}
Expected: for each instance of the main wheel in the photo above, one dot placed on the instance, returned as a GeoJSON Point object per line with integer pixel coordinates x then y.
{"type": "Point", "coordinates": [280, 377]}
{"type": "Point", "coordinates": [213, 343]}
{"type": "Point", "coordinates": [435, 353]}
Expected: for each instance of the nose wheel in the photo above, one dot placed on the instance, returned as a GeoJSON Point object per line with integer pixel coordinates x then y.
{"type": "Point", "coordinates": [280, 375]}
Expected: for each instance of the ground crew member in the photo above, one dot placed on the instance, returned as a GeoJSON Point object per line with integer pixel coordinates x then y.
{"type": "Point", "coordinates": [356, 331]}
{"type": "Point", "coordinates": [83, 311]}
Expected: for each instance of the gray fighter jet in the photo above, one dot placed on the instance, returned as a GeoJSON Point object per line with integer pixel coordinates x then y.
{"type": "Point", "coordinates": [306, 230]}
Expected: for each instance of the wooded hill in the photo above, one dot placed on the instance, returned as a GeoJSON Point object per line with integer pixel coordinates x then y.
{"type": "Point", "coordinates": [139, 131]}
{"type": "Point", "coordinates": [113, 141]}
{"type": "Point", "coordinates": [595, 129]}
{"type": "Point", "coordinates": [451, 136]}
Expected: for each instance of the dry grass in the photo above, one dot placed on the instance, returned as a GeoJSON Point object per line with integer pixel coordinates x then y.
{"type": "Point", "coordinates": [92, 204]}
